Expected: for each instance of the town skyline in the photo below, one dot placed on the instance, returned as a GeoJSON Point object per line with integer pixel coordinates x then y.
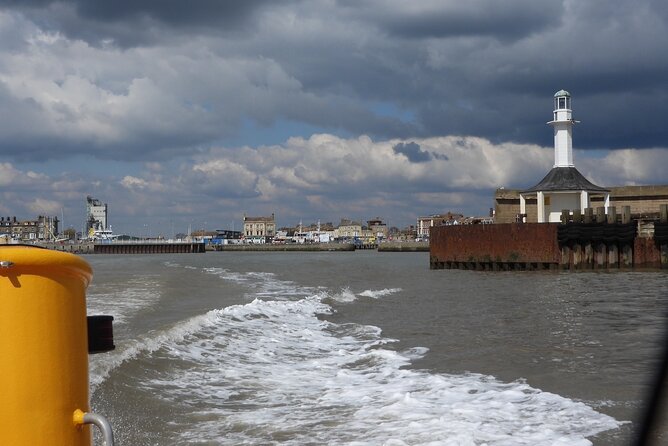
{"type": "Point", "coordinates": [194, 114]}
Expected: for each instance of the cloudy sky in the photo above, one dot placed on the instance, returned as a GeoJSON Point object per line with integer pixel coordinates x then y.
{"type": "Point", "coordinates": [193, 113]}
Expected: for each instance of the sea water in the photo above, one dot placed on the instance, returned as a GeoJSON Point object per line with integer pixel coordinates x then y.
{"type": "Point", "coordinates": [368, 348]}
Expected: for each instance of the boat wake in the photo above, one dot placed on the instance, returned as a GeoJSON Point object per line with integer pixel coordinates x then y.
{"type": "Point", "coordinates": [275, 371]}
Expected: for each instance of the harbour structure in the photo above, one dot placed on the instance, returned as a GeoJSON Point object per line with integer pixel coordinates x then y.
{"type": "Point", "coordinates": [564, 222]}
{"type": "Point", "coordinates": [564, 187]}
{"type": "Point", "coordinates": [644, 201]}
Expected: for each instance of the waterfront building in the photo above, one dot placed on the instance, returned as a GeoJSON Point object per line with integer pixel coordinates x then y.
{"type": "Point", "coordinates": [348, 229]}
{"type": "Point", "coordinates": [43, 228]}
{"type": "Point", "coordinates": [96, 215]}
{"type": "Point", "coordinates": [259, 229]}
{"type": "Point", "coordinates": [424, 224]}
{"type": "Point", "coordinates": [564, 187]}
{"type": "Point", "coordinates": [378, 229]}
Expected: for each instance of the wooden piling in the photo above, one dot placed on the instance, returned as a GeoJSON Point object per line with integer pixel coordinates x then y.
{"type": "Point", "coordinates": [577, 256]}
{"type": "Point", "coordinates": [626, 260]}
{"type": "Point", "coordinates": [626, 215]}
{"type": "Point", "coordinates": [601, 256]}
{"type": "Point", "coordinates": [612, 215]}
{"type": "Point", "coordinates": [600, 215]}
{"type": "Point", "coordinates": [613, 256]}
{"type": "Point", "coordinates": [588, 215]}
{"type": "Point", "coordinates": [565, 216]}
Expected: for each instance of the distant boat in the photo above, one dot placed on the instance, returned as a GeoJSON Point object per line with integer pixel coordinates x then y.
{"type": "Point", "coordinates": [101, 234]}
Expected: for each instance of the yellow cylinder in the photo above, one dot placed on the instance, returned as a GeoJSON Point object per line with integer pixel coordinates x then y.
{"type": "Point", "coordinates": [43, 346]}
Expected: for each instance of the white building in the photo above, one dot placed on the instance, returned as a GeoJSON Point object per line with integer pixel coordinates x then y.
{"type": "Point", "coordinates": [564, 187]}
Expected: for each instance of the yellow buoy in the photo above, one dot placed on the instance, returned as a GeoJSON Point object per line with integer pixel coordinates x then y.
{"type": "Point", "coordinates": [43, 347]}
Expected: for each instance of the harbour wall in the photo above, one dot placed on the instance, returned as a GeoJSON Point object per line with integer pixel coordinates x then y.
{"type": "Point", "coordinates": [589, 241]}
{"type": "Point", "coordinates": [126, 248]}
{"type": "Point", "coordinates": [267, 247]}
{"type": "Point", "coordinates": [393, 246]}
{"type": "Point", "coordinates": [198, 247]}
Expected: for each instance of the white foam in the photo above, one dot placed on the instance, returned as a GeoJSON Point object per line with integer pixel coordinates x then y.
{"type": "Point", "coordinates": [123, 302]}
{"type": "Point", "coordinates": [380, 293]}
{"type": "Point", "coordinates": [101, 365]}
{"type": "Point", "coordinates": [273, 369]}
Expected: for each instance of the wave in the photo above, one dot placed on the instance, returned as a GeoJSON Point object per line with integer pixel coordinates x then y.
{"type": "Point", "coordinates": [380, 293]}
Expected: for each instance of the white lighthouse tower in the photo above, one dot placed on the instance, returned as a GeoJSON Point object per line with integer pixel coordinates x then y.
{"type": "Point", "coordinates": [564, 187]}
{"type": "Point", "coordinates": [563, 129]}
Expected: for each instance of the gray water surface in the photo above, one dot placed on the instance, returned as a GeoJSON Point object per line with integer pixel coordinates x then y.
{"type": "Point", "coordinates": [193, 361]}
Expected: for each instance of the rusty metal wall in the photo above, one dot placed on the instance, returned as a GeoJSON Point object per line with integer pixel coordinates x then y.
{"type": "Point", "coordinates": [505, 243]}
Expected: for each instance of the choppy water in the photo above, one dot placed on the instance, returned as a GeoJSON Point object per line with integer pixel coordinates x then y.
{"type": "Point", "coordinates": [368, 348]}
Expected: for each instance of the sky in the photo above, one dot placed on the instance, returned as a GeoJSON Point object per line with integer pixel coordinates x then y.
{"type": "Point", "coordinates": [197, 113]}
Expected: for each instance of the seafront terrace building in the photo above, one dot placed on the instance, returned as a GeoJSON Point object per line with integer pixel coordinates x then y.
{"type": "Point", "coordinates": [378, 229]}
{"type": "Point", "coordinates": [259, 229]}
{"type": "Point", "coordinates": [348, 229]}
{"type": "Point", "coordinates": [44, 228]}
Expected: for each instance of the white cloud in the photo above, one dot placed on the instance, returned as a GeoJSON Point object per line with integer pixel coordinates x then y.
{"type": "Point", "coordinates": [41, 206]}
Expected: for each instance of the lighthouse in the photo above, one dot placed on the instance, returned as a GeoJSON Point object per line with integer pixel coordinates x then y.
{"type": "Point", "coordinates": [563, 129]}
{"type": "Point", "coordinates": [564, 187]}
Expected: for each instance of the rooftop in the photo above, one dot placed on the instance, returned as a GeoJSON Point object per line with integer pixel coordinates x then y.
{"type": "Point", "coordinates": [565, 179]}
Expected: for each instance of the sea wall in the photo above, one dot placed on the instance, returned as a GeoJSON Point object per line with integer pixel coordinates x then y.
{"type": "Point", "coordinates": [582, 242]}
{"type": "Point", "coordinates": [406, 246]}
{"type": "Point", "coordinates": [494, 247]}
{"type": "Point", "coordinates": [125, 247]}
{"type": "Point", "coordinates": [287, 247]}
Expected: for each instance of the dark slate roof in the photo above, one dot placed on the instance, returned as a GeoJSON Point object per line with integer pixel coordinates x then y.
{"type": "Point", "coordinates": [565, 178]}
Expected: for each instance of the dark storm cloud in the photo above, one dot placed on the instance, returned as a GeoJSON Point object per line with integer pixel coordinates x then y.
{"type": "Point", "coordinates": [415, 154]}
{"type": "Point", "coordinates": [128, 23]}
{"type": "Point", "coordinates": [510, 19]}
{"type": "Point", "coordinates": [173, 12]}
{"type": "Point", "coordinates": [478, 68]}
